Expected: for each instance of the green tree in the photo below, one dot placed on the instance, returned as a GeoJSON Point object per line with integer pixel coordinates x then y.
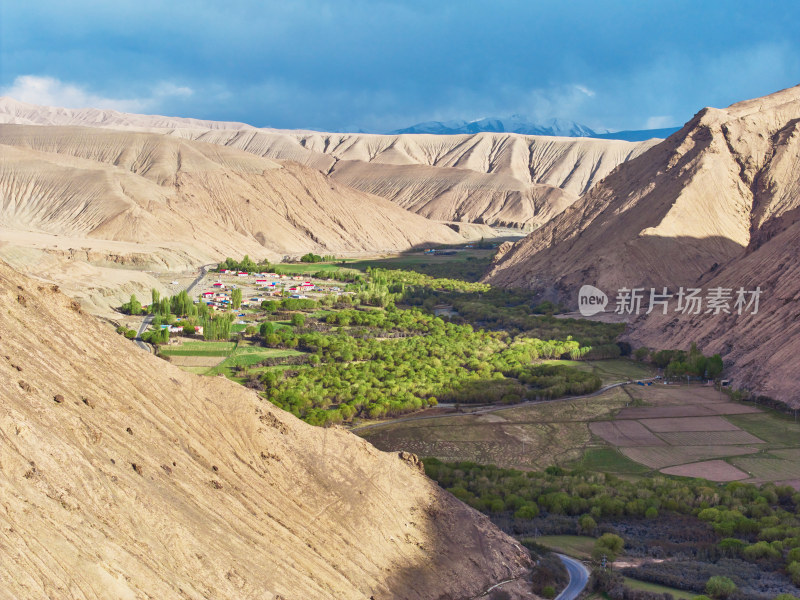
{"type": "Point", "coordinates": [714, 367]}
{"type": "Point", "coordinates": [529, 510]}
{"type": "Point", "coordinates": [587, 524]}
{"type": "Point", "coordinates": [236, 297]}
{"type": "Point", "coordinates": [155, 296]}
{"type": "Point", "coordinates": [720, 587]}
{"type": "Point", "coordinates": [609, 545]}
{"type": "Point", "coordinates": [270, 306]}
{"type": "Point", "coordinates": [298, 320]}
{"type": "Point", "coordinates": [134, 306]}
{"type": "Point", "coordinates": [794, 572]}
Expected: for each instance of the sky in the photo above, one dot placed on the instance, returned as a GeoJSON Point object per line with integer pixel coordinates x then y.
{"type": "Point", "coordinates": [373, 65]}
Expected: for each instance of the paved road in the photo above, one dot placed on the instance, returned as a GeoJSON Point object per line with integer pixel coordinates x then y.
{"type": "Point", "coordinates": [203, 270]}
{"type": "Point", "coordinates": [578, 578]}
{"type": "Point", "coordinates": [495, 408]}
{"type": "Point", "coordinates": [145, 324]}
{"type": "Point", "coordinates": [149, 318]}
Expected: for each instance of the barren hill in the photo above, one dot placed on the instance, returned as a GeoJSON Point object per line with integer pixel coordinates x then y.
{"type": "Point", "coordinates": [124, 477]}
{"type": "Point", "coordinates": [150, 200]}
{"type": "Point", "coordinates": [139, 187]}
{"type": "Point", "coordinates": [715, 204]}
{"type": "Point", "coordinates": [493, 178]}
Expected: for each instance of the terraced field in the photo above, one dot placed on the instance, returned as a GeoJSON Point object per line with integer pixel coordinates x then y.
{"type": "Point", "coordinates": [692, 431]}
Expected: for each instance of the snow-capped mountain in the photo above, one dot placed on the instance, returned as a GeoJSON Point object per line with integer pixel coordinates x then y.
{"type": "Point", "coordinates": [512, 124]}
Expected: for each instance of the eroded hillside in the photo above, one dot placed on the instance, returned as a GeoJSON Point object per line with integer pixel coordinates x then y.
{"type": "Point", "coordinates": [494, 178]}
{"type": "Point", "coordinates": [123, 476]}
{"type": "Point", "coordinates": [715, 205]}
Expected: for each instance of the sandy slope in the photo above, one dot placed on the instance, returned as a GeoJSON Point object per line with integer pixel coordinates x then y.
{"type": "Point", "coordinates": [715, 204]}
{"type": "Point", "coordinates": [144, 187]}
{"type": "Point", "coordinates": [122, 476]}
{"type": "Point", "coordinates": [496, 178]}
{"type": "Point", "coordinates": [151, 201]}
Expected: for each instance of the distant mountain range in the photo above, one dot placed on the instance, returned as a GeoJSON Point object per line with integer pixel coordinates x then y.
{"type": "Point", "coordinates": [523, 125]}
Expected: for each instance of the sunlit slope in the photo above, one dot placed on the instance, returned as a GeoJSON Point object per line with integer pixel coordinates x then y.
{"type": "Point", "coordinates": [715, 205]}
{"type": "Point", "coordinates": [123, 476]}
{"type": "Point", "coordinates": [148, 187]}
{"type": "Point", "coordinates": [494, 178]}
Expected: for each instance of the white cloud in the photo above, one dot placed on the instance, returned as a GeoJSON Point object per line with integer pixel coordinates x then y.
{"type": "Point", "coordinates": [585, 90]}
{"type": "Point", "coordinates": [659, 122]}
{"type": "Point", "coordinates": [49, 91]}
{"type": "Point", "coordinates": [167, 88]}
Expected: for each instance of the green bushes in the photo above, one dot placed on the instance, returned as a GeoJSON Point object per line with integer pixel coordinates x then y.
{"type": "Point", "coordinates": [678, 363]}
{"type": "Point", "coordinates": [608, 545]}
{"type": "Point", "coordinates": [316, 258]}
{"type": "Point", "coordinates": [720, 587]}
{"type": "Point", "coordinates": [246, 264]}
{"type": "Point", "coordinates": [595, 498]}
{"type": "Point", "coordinates": [442, 361]}
{"type": "Point", "coordinates": [554, 381]}
{"type": "Point", "coordinates": [132, 307]}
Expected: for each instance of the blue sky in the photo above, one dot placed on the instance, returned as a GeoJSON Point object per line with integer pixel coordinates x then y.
{"type": "Point", "coordinates": [381, 65]}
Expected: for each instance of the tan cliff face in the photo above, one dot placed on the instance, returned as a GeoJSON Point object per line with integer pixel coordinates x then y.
{"type": "Point", "coordinates": [146, 187]}
{"type": "Point", "coordinates": [716, 204]}
{"type": "Point", "coordinates": [494, 178]}
{"type": "Point", "coordinates": [75, 200]}
{"type": "Point", "coordinates": [123, 476]}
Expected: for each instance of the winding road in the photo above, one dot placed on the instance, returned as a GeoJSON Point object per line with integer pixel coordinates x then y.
{"type": "Point", "coordinates": [578, 578]}
{"type": "Point", "coordinates": [142, 328]}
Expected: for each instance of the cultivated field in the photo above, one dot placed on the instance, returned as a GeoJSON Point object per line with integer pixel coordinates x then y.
{"type": "Point", "coordinates": [774, 466]}
{"type": "Point", "coordinates": [658, 457]}
{"type": "Point", "coordinates": [692, 431]}
{"type": "Point", "coordinates": [714, 470]}
{"type": "Point", "coordinates": [213, 358]}
{"type": "Point", "coordinates": [688, 424]}
{"type": "Point", "coordinates": [709, 438]}
{"type": "Point", "coordinates": [610, 371]}
{"type": "Point", "coordinates": [526, 437]}
{"type": "Point", "coordinates": [625, 433]}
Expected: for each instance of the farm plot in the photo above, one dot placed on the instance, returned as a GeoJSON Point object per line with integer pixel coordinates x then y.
{"type": "Point", "coordinates": [199, 349]}
{"type": "Point", "coordinates": [772, 428]}
{"type": "Point", "coordinates": [659, 412]}
{"type": "Point", "coordinates": [609, 371]}
{"type": "Point", "coordinates": [246, 356]}
{"type": "Point", "coordinates": [769, 468]}
{"type": "Point", "coordinates": [625, 433]}
{"type": "Point", "coordinates": [731, 408]}
{"type": "Point", "coordinates": [187, 360]}
{"type": "Point", "coordinates": [689, 424]}
{"type": "Point", "coordinates": [681, 395]}
{"type": "Point", "coordinates": [658, 457]}
{"type": "Point", "coordinates": [709, 438]}
{"type": "Point", "coordinates": [713, 470]}
{"type": "Point", "coordinates": [198, 357]}
{"type": "Point", "coordinates": [518, 445]}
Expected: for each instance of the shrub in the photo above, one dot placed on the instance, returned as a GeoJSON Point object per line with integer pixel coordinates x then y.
{"type": "Point", "coordinates": [609, 545]}
{"type": "Point", "coordinates": [720, 587]}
